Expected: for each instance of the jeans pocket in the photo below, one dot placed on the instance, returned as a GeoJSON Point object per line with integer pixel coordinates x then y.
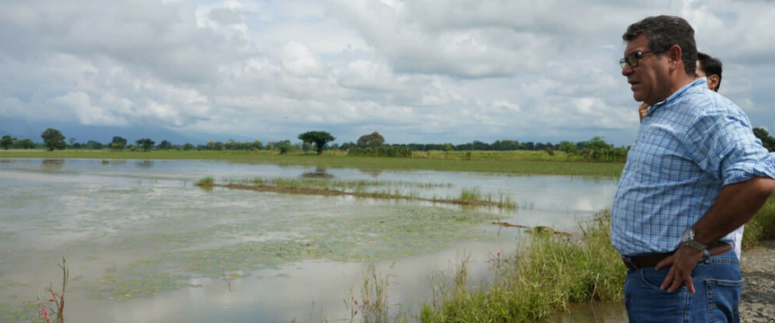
{"type": "Point", "coordinates": [723, 297]}
{"type": "Point", "coordinates": [653, 278]}
{"type": "Point", "coordinates": [645, 302]}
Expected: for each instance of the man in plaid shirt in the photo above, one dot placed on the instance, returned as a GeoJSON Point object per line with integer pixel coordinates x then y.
{"type": "Point", "coordinates": [695, 173]}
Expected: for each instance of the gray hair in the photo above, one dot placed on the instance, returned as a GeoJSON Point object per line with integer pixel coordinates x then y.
{"type": "Point", "coordinates": [662, 33]}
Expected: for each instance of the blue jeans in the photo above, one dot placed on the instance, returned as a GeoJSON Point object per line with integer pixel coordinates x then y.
{"type": "Point", "coordinates": [717, 282]}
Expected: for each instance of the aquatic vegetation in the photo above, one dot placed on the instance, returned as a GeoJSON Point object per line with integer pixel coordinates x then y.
{"type": "Point", "coordinates": [11, 284]}
{"type": "Point", "coordinates": [26, 312]}
{"type": "Point", "coordinates": [475, 197]}
{"type": "Point", "coordinates": [374, 305]}
{"type": "Point", "coordinates": [332, 184]}
{"type": "Point", "coordinates": [468, 197]}
{"type": "Point", "coordinates": [206, 182]}
{"type": "Point", "coordinates": [142, 279]}
{"type": "Point", "coordinates": [385, 233]}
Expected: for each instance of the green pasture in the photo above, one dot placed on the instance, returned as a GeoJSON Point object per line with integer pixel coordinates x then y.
{"type": "Point", "coordinates": [507, 162]}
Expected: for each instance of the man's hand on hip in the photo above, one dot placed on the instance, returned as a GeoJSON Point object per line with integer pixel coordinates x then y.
{"type": "Point", "coordinates": [683, 262]}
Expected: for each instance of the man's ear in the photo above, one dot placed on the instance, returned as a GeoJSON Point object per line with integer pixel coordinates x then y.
{"type": "Point", "coordinates": [674, 54]}
{"type": "Point", "coordinates": [713, 81]}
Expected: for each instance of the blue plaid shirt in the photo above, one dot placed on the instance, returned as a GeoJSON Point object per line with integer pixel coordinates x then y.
{"type": "Point", "coordinates": [688, 147]}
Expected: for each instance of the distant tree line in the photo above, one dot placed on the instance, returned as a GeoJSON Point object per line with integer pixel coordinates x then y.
{"type": "Point", "coordinates": [595, 149]}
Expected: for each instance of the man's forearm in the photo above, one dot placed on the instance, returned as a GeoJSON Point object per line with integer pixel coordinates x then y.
{"type": "Point", "coordinates": [734, 206]}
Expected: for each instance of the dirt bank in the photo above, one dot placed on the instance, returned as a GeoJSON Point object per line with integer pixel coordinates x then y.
{"type": "Point", "coordinates": [758, 296]}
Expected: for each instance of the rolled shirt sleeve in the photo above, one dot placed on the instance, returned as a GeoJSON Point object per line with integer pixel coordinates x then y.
{"type": "Point", "coordinates": [722, 143]}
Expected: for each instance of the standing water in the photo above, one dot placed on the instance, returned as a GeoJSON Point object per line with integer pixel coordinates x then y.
{"type": "Point", "coordinates": [144, 244]}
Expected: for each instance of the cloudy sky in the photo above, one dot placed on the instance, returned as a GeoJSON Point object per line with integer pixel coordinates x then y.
{"type": "Point", "coordinates": [415, 71]}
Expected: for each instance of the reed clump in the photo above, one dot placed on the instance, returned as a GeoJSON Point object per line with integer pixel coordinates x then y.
{"type": "Point", "coordinates": [206, 182]}
{"type": "Point", "coordinates": [546, 276]}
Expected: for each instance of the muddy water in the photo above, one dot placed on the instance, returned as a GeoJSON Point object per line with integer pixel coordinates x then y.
{"type": "Point", "coordinates": [143, 244]}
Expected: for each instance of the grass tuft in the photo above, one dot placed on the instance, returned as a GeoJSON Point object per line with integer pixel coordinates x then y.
{"type": "Point", "coordinates": [761, 227]}
{"type": "Point", "coordinates": [206, 182]}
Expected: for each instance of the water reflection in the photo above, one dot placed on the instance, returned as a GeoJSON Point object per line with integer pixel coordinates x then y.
{"type": "Point", "coordinates": [52, 165]}
{"type": "Point", "coordinates": [317, 173]}
{"type": "Point", "coordinates": [91, 216]}
{"type": "Point", "coordinates": [371, 172]}
{"type": "Point", "coordinates": [146, 164]}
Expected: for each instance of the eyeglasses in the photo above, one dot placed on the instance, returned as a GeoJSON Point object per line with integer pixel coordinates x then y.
{"type": "Point", "coordinates": [632, 58]}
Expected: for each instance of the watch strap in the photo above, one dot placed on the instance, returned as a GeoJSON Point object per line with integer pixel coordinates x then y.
{"type": "Point", "coordinates": [694, 244]}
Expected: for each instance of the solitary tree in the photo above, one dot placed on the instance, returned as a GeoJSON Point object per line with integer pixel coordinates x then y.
{"type": "Point", "coordinates": [319, 138]}
{"type": "Point", "coordinates": [6, 142]}
{"type": "Point", "coordinates": [118, 143]}
{"type": "Point", "coordinates": [53, 139]}
{"type": "Point", "coordinates": [373, 140]}
{"type": "Point", "coordinates": [145, 143]}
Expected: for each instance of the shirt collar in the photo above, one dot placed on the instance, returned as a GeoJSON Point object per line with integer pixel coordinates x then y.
{"type": "Point", "coordinates": [700, 82]}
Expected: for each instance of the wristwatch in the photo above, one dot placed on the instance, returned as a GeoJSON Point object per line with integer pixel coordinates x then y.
{"type": "Point", "coordinates": [687, 239]}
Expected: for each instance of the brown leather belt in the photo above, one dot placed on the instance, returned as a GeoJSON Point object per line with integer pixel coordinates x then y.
{"type": "Point", "coordinates": [651, 260]}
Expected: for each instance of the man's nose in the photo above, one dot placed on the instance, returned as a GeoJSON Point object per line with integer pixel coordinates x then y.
{"type": "Point", "coordinates": [627, 70]}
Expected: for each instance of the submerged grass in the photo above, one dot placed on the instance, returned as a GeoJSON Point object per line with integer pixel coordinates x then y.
{"type": "Point", "coordinates": [374, 306]}
{"type": "Point", "coordinates": [347, 185]}
{"type": "Point", "coordinates": [394, 190]}
{"type": "Point", "coordinates": [474, 196]}
{"type": "Point", "coordinates": [547, 276]}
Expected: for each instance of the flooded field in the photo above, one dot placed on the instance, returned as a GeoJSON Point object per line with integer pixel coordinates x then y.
{"type": "Point", "coordinates": [144, 244]}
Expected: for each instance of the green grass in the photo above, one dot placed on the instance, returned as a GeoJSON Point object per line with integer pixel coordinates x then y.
{"type": "Point", "coordinates": [761, 227]}
{"type": "Point", "coordinates": [492, 154]}
{"type": "Point", "coordinates": [517, 162]}
{"type": "Point", "coordinates": [206, 182]}
{"type": "Point", "coordinates": [545, 276]}
{"type": "Point", "coordinates": [550, 273]}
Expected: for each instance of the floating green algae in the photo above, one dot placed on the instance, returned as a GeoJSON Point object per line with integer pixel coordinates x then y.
{"type": "Point", "coordinates": [357, 234]}
{"type": "Point", "coordinates": [27, 312]}
{"type": "Point", "coordinates": [141, 279]}
{"type": "Point", "coordinates": [11, 284]}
